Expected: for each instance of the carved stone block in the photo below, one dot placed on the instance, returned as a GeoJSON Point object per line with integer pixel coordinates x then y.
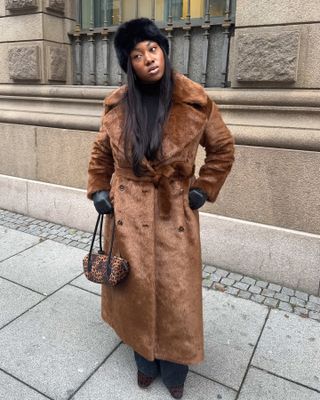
{"type": "Point", "coordinates": [268, 57]}
{"type": "Point", "coordinates": [57, 64]}
{"type": "Point", "coordinates": [24, 63]}
{"type": "Point", "coordinates": [17, 5]}
{"type": "Point", "coordinates": [56, 5]}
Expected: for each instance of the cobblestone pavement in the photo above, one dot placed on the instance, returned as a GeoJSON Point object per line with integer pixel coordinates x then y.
{"type": "Point", "coordinates": [270, 294]}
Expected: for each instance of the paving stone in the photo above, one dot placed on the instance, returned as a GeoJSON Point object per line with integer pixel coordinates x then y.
{"type": "Point", "coordinates": [116, 380]}
{"type": "Point", "coordinates": [219, 286]}
{"type": "Point", "coordinates": [231, 333]}
{"type": "Point", "coordinates": [205, 275]}
{"type": "Point", "coordinates": [282, 297]}
{"type": "Point", "coordinates": [285, 306]}
{"type": "Point", "coordinates": [274, 287]}
{"type": "Point", "coordinates": [232, 290]}
{"type": "Point", "coordinates": [222, 272]}
{"type": "Point", "coordinates": [241, 285]}
{"type": "Point", "coordinates": [12, 389]}
{"type": "Point", "coordinates": [248, 280]}
{"type": "Point", "coordinates": [262, 284]}
{"type": "Point", "coordinates": [244, 295]}
{"type": "Point", "coordinates": [84, 283]}
{"type": "Point", "coordinates": [215, 277]}
{"type": "Point", "coordinates": [289, 347]}
{"type": "Point", "coordinates": [271, 302]}
{"type": "Point", "coordinates": [50, 265]}
{"type": "Point", "coordinates": [257, 298]}
{"type": "Point", "coordinates": [235, 276]}
{"type": "Point", "coordinates": [58, 343]}
{"type": "Point", "coordinates": [314, 315]}
{"type": "Point", "coordinates": [303, 312]}
{"type": "Point", "coordinates": [314, 299]}
{"type": "Point", "coordinates": [13, 242]}
{"type": "Point", "coordinates": [255, 289]}
{"type": "Point", "coordinates": [297, 302]}
{"type": "Point", "coordinates": [313, 306]}
{"type": "Point", "coordinates": [287, 291]}
{"type": "Point", "coordinates": [301, 295]}
{"type": "Point", "coordinates": [207, 283]}
{"type": "Point", "coordinates": [261, 385]}
{"type": "Point", "coordinates": [14, 300]}
{"type": "Point", "coordinates": [268, 292]}
{"type": "Point", "coordinates": [227, 281]}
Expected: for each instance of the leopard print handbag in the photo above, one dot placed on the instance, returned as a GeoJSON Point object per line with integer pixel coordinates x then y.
{"type": "Point", "coordinates": [100, 267]}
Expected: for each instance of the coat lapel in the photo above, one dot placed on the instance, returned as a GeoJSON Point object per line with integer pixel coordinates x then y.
{"type": "Point", "coordinates": [186, 120]}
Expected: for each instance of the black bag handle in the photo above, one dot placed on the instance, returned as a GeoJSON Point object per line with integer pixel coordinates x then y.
{"type": "Point", "coordinates": [100, 222]}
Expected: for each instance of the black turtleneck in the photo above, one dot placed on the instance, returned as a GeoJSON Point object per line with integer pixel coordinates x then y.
{"type": "Point", "coordinates": [150, 98]}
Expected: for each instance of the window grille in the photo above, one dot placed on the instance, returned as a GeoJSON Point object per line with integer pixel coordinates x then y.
{"type": "Point", "coordinates": [198, 32]}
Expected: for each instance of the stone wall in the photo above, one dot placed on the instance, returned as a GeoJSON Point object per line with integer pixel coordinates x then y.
{"type": "Point", "coordinates": [34, 43]}
{"type": "Point", "coordinates": [276, 44]}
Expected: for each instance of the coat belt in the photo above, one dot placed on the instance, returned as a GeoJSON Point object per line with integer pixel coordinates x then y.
{"type": "Point", "coordinates": [161, 177]}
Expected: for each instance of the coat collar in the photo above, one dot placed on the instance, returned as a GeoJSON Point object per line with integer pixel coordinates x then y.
{"type": "Point", "coordinates": [184, 91]}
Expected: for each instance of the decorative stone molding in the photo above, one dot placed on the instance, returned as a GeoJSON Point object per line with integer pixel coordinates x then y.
{"type": "Point", "coordinates": [24, 63]}
{"type": "Point", "coordinates": [21, 5]}
{"type": "Point", "coordinates": [268, 57]}
{"type": "Point", "coordinates": [57, 64]}
{"type": "Point", "coordinates": [56, 5]}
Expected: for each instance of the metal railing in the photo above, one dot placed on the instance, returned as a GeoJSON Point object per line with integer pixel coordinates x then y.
{"type": "Point", "coordinates": [95, 61]}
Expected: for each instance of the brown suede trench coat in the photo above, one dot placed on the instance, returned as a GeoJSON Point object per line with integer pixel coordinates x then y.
{"type": "Point", "coordinates": [157, 310]}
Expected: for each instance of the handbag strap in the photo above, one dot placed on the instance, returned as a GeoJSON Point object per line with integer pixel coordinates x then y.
{"type": "Point", "coordinates": [99, 224]}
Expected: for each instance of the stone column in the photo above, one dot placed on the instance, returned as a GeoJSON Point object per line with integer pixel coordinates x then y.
{"type": "Point", "coordinates": [34, 43]}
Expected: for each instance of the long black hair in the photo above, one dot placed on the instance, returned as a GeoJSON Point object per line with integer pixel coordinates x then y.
{"type": "Point", "coordinates": [137, 139]}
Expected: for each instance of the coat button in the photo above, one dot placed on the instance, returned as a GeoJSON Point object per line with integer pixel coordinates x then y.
{"type": "Point", "coordinates": [181, 229]}
{"type": "Point", "coordinates": [120, 222]}
{"type": "Point", "coordinates": [121, 187]}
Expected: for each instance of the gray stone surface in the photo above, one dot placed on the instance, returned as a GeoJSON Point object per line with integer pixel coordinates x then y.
{"type": "Point", "coordinates": [84, 283]}
{"type": "Point", "coordinates": [232, 328]}
{"type": "Point", "coordinates": [261, 385]}
{"type": "Point", "coordinates": [12, 242]}
{"type": "Point", "coordinates": [279, 255]}
{"type": "Point", "coordinates": [50, 265]}
{"type": "Point", "coordinates": [57, 344]}
{"type": "Point", "coordinates": [24, 63]}
{"type": "Point", "coordinates": [11, 389]}
{"type": "Point", "coordinates": [14, 300]}
{"type": "Point", "coordinates": [290, 347]}
{"type": "Point", "coordinates": [273, 286]}
{"type": "Point", "coordinates": [56, 5]}
{"type": "Point", "coordinates": [267, 57]}
{"type": "Point", "coordinates": [116, 380]}
{"type": "Point", "coordinates": [274, 12]}
{"type": "Point", "coordinates": [21, 4]}
{"type": "Point", "coordinates": [57, 64]}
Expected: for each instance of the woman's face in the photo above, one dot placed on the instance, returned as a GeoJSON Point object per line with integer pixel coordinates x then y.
{"type": "Point", "coordinates": [147, 61]}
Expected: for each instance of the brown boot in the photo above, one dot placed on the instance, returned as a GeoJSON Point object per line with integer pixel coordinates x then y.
{"type": "Point", "coordinates": [176, 391]}
{"type": "Point", "coordinates": [143, 380]}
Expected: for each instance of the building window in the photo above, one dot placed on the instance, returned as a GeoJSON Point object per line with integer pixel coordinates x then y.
{"type": "Point", "coordinates": [198, 33]}
{"type": "Point", "coordinates": [100, 13]}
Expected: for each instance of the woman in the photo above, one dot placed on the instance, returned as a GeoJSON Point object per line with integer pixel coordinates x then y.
{"type": "Point", "coordinates": [142, 170]}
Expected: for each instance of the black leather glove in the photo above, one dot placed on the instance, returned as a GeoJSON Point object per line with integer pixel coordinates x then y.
{"type": "Point", "coordinates": [197, 198]}
{"type": "Point", "coordinates": [102, 202]}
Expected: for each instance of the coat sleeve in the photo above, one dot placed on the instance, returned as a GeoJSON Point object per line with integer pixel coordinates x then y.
{"type": "Point", "coordinates": [219, 147]}
{"type": "Point", "coordinates": [101, 164]}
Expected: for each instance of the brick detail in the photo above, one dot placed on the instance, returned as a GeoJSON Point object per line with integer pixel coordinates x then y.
{"type": "Point", "coordinates": [24, 63]}
{"type": "Point", "coordinates": [268, 57]}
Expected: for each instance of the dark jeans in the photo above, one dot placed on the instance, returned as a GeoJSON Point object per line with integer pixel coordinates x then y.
{"type": "Point", "coordinates": [172, 374]}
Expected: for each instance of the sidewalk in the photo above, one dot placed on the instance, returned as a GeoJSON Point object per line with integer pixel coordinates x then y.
{"type": "Point", "coordinates": [54, 345]}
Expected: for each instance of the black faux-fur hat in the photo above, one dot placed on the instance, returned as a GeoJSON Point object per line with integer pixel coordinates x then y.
{"type": "Point", "coordinates": [134, 31]}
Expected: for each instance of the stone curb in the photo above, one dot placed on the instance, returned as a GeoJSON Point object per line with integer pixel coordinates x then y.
{"type": "Point", "coordinates": [213, 278]}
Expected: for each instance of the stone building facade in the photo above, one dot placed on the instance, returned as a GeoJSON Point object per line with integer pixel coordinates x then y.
{"type": "Point", "coordinates": [266, 222]}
